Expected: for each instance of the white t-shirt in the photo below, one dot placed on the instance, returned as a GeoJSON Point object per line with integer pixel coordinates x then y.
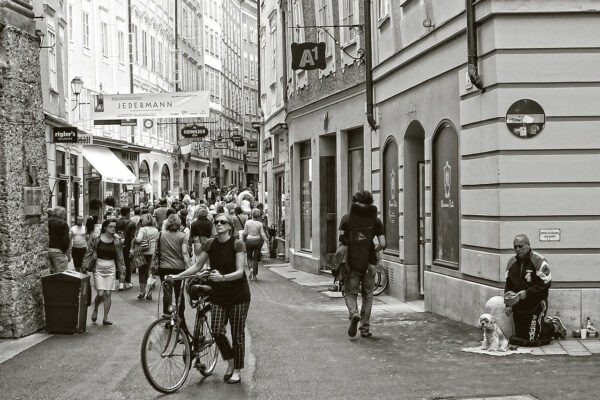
{"type": "Point", "coordinates": [79, 234]}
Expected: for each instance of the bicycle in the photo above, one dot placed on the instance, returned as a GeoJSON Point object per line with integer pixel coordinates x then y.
{"type": "Point", "coordinates": [168, 348]}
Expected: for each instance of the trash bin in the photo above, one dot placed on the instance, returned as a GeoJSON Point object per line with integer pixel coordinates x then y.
{"type": "Point", "coordinates": [65, 301]}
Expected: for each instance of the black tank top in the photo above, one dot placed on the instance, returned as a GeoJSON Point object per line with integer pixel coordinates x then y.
{"type": "Point", "coordinates": [222, 258]}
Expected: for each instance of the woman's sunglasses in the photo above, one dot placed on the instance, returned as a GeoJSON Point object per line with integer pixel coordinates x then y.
{"type": "Point", "coordinates": [221, 222]}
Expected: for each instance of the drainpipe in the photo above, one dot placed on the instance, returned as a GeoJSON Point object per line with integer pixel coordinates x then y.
{"type": "Point", "coordinates": [284, 54]}
{"type": "Point", "coordinates": [473, 69]}
{"type": "Point", "coordinates": [368, 65]}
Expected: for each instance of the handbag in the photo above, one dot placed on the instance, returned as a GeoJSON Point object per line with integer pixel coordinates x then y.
{"type": "Point", "coordinates": [155, 264]}
{"type": "Point", "coordinates": [89, 263]}
{"type": "Point", "coordinates": [145, 243]}
{"type": "Point", "coordinates": [137, 257]}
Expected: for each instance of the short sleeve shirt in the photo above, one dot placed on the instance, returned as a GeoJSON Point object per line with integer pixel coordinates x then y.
{"type": "Point", "coordinates": [345, 225]}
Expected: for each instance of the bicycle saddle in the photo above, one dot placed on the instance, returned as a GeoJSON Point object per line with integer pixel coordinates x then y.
{"type": "Point", "coordinates": [198, 290]}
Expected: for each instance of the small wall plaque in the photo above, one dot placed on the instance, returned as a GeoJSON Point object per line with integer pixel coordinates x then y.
{"type": "Point", "coordinates": [32, 201]}
{"type": "Point", "coordinates": [550, 235]}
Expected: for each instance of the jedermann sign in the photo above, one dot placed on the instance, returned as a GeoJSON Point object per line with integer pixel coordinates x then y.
{"type": "Point", "coordinates": [151, 105]}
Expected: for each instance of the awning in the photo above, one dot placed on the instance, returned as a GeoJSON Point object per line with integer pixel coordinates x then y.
{"type": "Point", "coordinates": [108, 165]}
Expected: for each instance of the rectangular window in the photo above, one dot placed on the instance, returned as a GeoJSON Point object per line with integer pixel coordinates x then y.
{"type": "Point", "coordinates": [306, 196]}
{"type": "Point", "coordinates": [298, 20]}
{"type": "Point", "coordinates": [70, 22]}
{"type": "Point", "coordinates": [85, 29]}
{"type": "Point", "coordinates": [382, 9]}
{"type": "Point", "coordinates": [144, 49]}
{"type": "Point", "coordinates": [152, 53]}
{"type": "Point", "coordinates": [73, 164]}
{"type": "Point", "coordinates": [348, 15]}
{"type": "Point", "coordinates": [104, 32]}
{"type": "Point", "coordinates": [136, 45]}
{"type": "Point", "coordinates": [52, 60]}
{"type": "Point", "coordinates": [355, 161]}
{"type": "Point", "coordinates": [245, 66]}
{"type": "Point", "coordinates": [273, 37]}
{"type": "Point", "coordinates": [160, 59]}
{"type": "Point", "coordinates": [206, 40]}
{"type": "Point", "coordinates": [121, 38]}
{"type": "Point", "coordinates": [325, 19]}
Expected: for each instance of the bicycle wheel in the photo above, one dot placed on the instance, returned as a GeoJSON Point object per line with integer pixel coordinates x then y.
{"type": "Point", "coordinates": [166, 359]}
{"type": "Point", "coordinates": [381, 280]}
{"type": "Point", "coordinates": [207, 354]}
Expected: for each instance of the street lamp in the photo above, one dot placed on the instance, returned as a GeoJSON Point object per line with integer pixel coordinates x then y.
{"type": "Point", "coordinates": [76, 85]}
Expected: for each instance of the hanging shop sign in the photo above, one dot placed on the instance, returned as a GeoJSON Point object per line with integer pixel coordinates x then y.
{"type": "Point", "coordinates": [252, 145]}
{"type": "Point", "coordinates": [267, 145]}
{"type": "Point", "coordinates": [148, 123]}
{"type": "Point", "coordinates": [221, 145]}
{"type": "Point", "coordinates": [239, 143]}
{"type": "Point", "coordinates": [64, 134]}
{"type": "Point", "coordinates": [151, 105]}
{"type": "Point", "coordinates": [525, 118]}
{"type": "Point", "coordinates": [194, 131]}
{"type": "Point", "coordinates": [85, 138]}
{"type": "Point", "coordinates": [308, 56]}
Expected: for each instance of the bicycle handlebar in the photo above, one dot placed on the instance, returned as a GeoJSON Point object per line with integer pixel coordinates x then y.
{"type": "Point", "coordinates": [183, 278]}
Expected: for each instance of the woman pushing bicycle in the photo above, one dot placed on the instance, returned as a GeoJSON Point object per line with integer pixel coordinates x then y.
{"type": "Point", "coordinates": [230, 293]}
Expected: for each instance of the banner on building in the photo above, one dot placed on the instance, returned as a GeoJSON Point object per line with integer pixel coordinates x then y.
{"type": "Point", "coordinates": [151, 105]}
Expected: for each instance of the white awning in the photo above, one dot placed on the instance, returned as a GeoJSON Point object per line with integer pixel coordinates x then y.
{"type": "Point", "coordinates": [108, 165]}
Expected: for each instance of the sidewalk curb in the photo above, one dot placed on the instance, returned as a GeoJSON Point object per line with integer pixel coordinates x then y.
{"type": "Point", "coordinates": [12, 347]}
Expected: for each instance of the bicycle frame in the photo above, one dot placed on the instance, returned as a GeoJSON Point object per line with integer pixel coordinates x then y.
{"type": "Point", "coordinates": [202, 308]}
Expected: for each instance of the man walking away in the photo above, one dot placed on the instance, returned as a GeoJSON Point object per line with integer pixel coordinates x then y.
{"type": "Point", "coordinates": [59, 241]}
{"type": "Point", "coordinates": [126, 229]}
{"type": "Point", "coordinates": [357, 231]}
{"type": "Point", "coordinates": [160, 214]}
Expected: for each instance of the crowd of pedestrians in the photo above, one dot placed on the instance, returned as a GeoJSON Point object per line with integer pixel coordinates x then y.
{"type": "Point", "coordinates": [155, 239]}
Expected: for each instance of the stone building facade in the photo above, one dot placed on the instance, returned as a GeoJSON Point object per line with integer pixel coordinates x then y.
{"type": "Point", "coordinates": [24, 238]}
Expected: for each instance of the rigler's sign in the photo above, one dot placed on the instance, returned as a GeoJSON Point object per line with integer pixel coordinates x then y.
{"type": "Point", "coordinates": [151, 105]}
{"type": "Point", "coordinates": [308, 55]}
{"type": "Point", "coordinates": [64, 134]}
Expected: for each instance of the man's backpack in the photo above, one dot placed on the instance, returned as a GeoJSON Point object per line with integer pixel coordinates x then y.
{"type": "Point", "coordinates": [360, 237]}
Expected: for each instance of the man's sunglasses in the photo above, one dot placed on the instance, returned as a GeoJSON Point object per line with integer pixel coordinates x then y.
{"type": "Point", "coordinates": [518, 246]}
{"type": "Point", "coordinates": [221, 222]}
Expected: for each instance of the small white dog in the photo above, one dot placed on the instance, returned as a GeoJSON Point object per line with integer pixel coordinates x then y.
{"type": "Point", "coordinates": [493, 337]}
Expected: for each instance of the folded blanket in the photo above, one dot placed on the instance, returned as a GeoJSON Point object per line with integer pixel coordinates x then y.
{"type": "Point", "coordinates": [477, 349]}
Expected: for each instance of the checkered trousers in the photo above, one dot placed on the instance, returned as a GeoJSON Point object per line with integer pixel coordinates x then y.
{"type": "Point", "coordinates": [236, 315]}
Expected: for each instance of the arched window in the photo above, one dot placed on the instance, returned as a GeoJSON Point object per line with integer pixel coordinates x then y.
{"type": "Point", "coordinates": [165, 180]}
{"type": "Point", "coordinates": [446, 217]}
{"type": "Point", "coordinates": [390, 197]}
{"type": "Point", "coordinates": [144, 174]}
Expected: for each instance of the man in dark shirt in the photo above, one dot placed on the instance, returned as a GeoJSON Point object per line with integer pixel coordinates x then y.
{"type": "Point", "coordinates": [528, 281]}
{"type": "Point", "coordinates": [160, 214]}
{"type": "Point", "coordinates": [201, 230]}
{"type": "Point", "coordinates": [59, 240]}
{"type": "Point", "coordinates": [126, 229]}
{"type": "Point", "coordinates": [357, 231]}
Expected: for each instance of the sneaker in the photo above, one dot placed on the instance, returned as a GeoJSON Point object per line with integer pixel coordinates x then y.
{"type": "Point", "coordinates": [121, 286]}
{"type": "Point", "coordinates": [366, 334]}
{"type": "Point", "coordinates": [141, 296]}
{"type": "Point", "coordinates": [128, 285]}
{"type": "Point", "coordinates": [561, 331]}
{"type": "Point", "coordinates": [353, 325]}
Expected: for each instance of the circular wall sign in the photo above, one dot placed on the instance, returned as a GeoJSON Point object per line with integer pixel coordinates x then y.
{"type": "Point", "coordinates": [148, 123]}
{"type": "Point", "coordinates": [525, 118]}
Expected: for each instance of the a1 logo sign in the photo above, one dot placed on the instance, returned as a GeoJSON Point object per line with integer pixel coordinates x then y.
{"type": "Point", "coordinates": [308, 56]}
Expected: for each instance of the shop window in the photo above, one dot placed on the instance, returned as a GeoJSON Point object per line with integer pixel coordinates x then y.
{"type": "Point", "coordinates": [306, 196]}
{"type": "Point", "coordinates": [390, 197]}
{"type": "Point", "coordinates": [73, 164]}
{"type": "Point", "coordinates": [355, 162]}
{"type": "Point", "coordinates": [446, 220]}
{"type": "Point", "coordinates": [165, 180]}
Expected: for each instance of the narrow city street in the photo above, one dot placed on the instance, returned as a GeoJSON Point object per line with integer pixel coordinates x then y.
{"type": "Point", "coordinates": [297, 348]}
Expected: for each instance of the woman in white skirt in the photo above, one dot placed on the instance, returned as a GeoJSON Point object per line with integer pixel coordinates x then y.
{"type": "Point", "coordinates": [107, 250]}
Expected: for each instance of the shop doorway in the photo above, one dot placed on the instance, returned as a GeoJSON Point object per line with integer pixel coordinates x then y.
{"type": "Point", "coordinates": [328, 199]}
{"type": "Point", "coordinates": [421, 205]}
{"type": "Point", "coordinates": [414, 208]}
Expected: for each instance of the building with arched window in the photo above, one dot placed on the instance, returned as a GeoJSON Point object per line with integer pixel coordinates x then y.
{"type": "Point", "coordinates": [481, 132]}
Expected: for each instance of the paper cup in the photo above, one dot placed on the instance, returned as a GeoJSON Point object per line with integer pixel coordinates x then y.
{"type": "Point", "coordinates": [583, 333]}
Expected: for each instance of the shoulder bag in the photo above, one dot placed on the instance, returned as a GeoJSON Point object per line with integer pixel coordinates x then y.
{"type": "Point", "coordinates": [89, 262]}
{"type": "Point", "coordinates": [155, 265]}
